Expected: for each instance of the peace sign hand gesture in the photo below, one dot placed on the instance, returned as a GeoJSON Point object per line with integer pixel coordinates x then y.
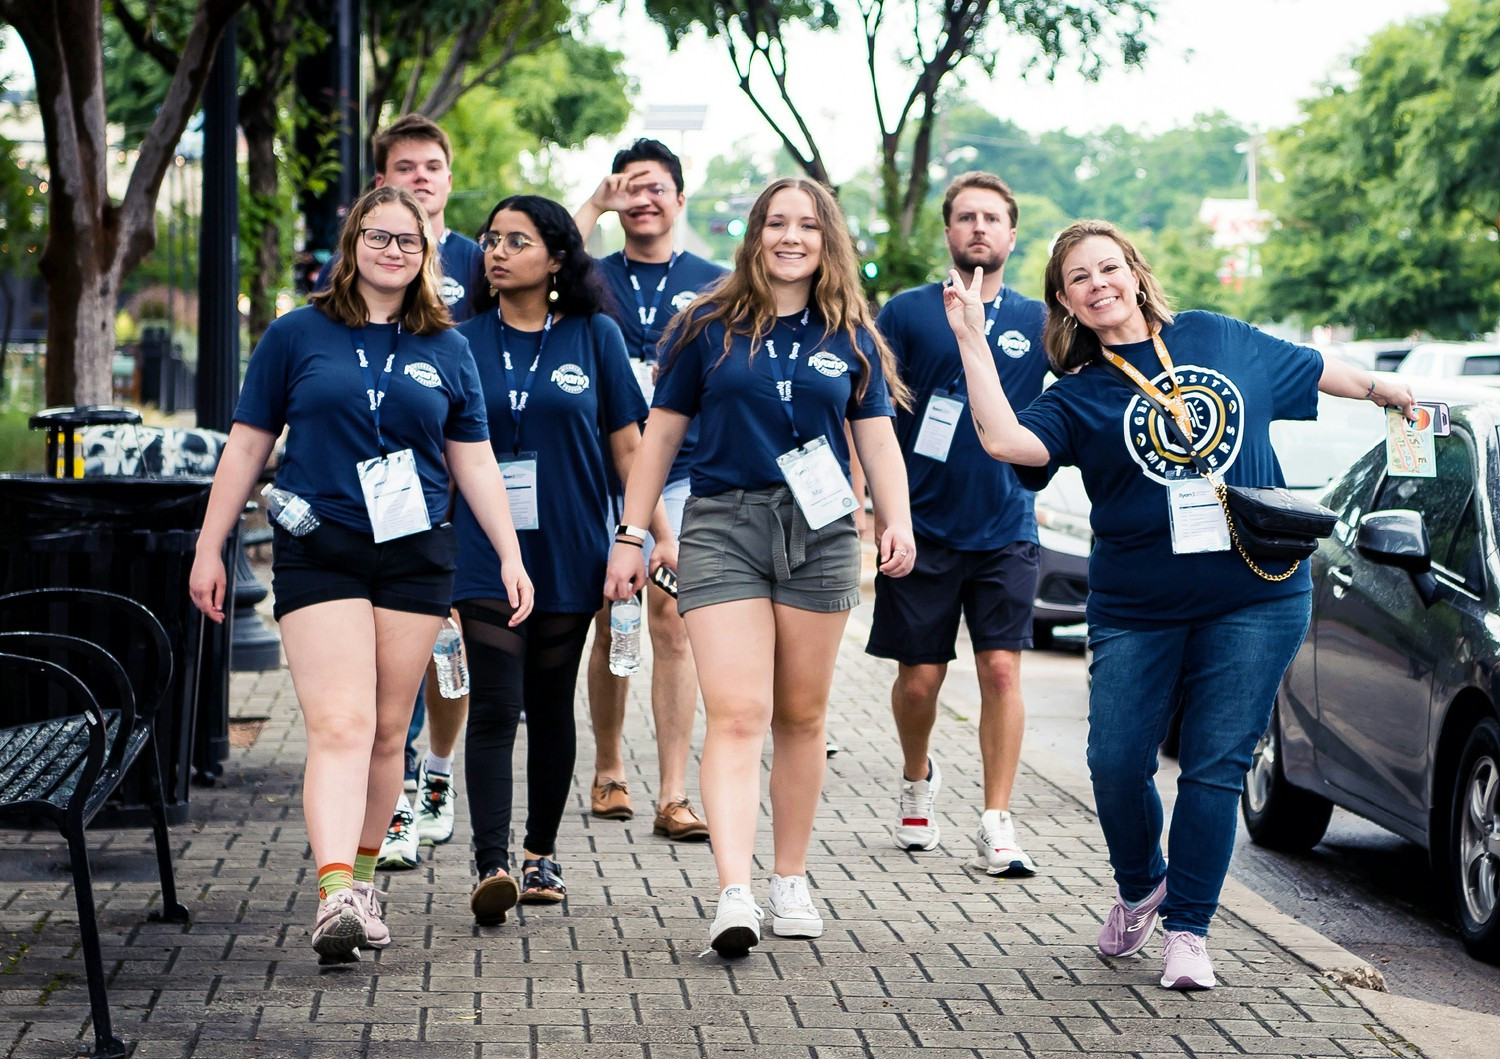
{"type": "Point", "coordinates": [963, 305]}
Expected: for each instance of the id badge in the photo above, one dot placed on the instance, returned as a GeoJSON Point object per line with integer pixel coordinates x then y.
{"type": "Point", "coordinates": [817, 482]}
{"type": "Point", "coordinates": [1198, 522]}
{"type": "Point", "coordinates": [393, 495]}
{"type": "Point", "coordinates": [939, 422]}
{"type": "Point", "coordinates": [1410, 447]}
{"type": "Point", "coordinates": [521, 490]}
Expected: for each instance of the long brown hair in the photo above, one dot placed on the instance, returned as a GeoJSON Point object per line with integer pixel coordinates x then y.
{"type": "Point", "coordinates": [422, 308]}
{"type": "Point", "coordinates": [1069, 344]}
{"type": "Point", "coordinates": [746, 305]}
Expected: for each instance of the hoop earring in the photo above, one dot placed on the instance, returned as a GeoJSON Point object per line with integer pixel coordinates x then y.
{"type": "Point", "coordinates": [1140, 296]}
{"type": "Point", "coordinates": [1071, 324]}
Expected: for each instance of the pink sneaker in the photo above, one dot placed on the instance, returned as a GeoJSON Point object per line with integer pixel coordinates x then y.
{"type": "Point", "coordinates": [1184, 962]}
{"type": "Point", "coordinates": [1126, 930]}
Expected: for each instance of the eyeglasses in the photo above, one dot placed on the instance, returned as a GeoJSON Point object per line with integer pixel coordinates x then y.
{"type": "Point", "coordinates": [379, 239]}
{"type": "Point", "coordinates": [656, 191]}
{"type": "Point", "coordinates": [513, 242]}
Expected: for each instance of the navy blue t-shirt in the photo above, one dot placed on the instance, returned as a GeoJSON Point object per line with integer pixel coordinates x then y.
{"type": "Point", "coordinates": [688, 277]}
{"type": "Point", "coordinates": [1236, 380]}
{"type": "Point", "coordinates": [744, 421]}
{"type": "Point", "coordinates": [583, 364]}
{"type": "Point", "coordinates": [305, 374]}
{"type": "Point", "coordinates": [463, 285]}
{"type": "Point", "coordinates": [971, 501]}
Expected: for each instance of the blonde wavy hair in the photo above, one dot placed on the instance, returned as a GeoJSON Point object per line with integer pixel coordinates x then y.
{"type": "Point", "coordinates": [1069, 344]}
{"type": "Point", "coordinates": [745, 303]}
{"type": "Point", "coordinates": [422, 309]}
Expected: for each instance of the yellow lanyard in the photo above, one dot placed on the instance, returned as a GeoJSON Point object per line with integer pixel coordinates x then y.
{"type": "Point", "coordinates": [1172, 402]}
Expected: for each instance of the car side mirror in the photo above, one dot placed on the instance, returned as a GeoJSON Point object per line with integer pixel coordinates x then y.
{"type": "Point", "coordinates": [1396, 537]}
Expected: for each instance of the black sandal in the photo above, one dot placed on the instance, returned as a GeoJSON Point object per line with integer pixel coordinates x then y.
{"type": "Point", "coordinates": [542, 882]}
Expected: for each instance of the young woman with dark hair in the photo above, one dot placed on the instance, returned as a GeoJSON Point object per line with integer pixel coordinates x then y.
{"type": "Point", "coordinates": [774, 361]}
{"type": "Point", "coordinates": [382, 405]}
{"type": "Point", "coordinates": [563, 402]}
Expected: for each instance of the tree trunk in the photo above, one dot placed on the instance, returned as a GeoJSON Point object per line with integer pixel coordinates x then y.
{"type": "Point", "coordinates": [260, 145]}
{"type": "Point", "coordinates": [92, 242]}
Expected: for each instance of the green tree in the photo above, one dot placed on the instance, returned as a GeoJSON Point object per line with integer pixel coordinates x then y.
{"type": "Point", "coordinates": [1389, 216]}
{"type": "Point", "coordinates": [933, 40]}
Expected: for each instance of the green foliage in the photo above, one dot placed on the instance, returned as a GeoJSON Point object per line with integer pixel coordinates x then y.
{"type": "Point", "coordinates": [568, 93]}
{"type": "Point", "coordinates": [487, 157]}
{"type": "Point", "coordinates": [21, 449]}
{"type": "Point", "coordinates": [1389, 217]}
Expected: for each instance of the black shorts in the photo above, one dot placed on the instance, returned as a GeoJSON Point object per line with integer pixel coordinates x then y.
{"type": "Point", "coordinates": [916, 616]}
{"type": "Point", "coordinates": [412, 573]}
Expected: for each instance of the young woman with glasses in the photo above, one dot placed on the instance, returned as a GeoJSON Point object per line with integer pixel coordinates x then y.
{"type": "Point", "coordinates": [774, 361]}
{"type": "Point", "coordinates": [563, 402]}
{"type": "Point", "coordinates": [381, 403]}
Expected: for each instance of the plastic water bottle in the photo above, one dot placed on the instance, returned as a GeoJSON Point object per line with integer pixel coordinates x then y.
{"type": "Point", "coordinates": [625, 636]}
{"type": "Point", "coordinates": [289, 510]}
{"type": "Point", "coordinates": [448, 660]}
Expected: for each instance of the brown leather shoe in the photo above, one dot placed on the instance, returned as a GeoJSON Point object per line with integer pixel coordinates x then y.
{"type": "Point", "coordinates": [612, 800]}
{"type": "Point", "coordinates": [680, 822]}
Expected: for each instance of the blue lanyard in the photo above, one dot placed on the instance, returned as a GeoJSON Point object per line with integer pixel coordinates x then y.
{"type": "Point", "coordinates": [989, 325]}
{"type": "Point", "coordinates": [375, 394]}
{"type": "Point", "coordinates": [518, 395]}
{"type": "Point", "coordinates": [647, 315]}
{"type": "Point", "coordinates": [784, 374]}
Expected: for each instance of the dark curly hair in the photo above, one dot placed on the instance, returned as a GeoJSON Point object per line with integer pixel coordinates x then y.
{"type": "Point", "coordinates": [580, 288]}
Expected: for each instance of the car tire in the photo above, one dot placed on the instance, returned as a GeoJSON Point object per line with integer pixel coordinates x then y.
{"type": "Point", "coordinates": [1474, 864]}
{"type": "Point", "coordinates": [1278, 815]}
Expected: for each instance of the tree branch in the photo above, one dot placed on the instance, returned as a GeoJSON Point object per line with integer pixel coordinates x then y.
{"type": "Point", "coordinates": [143, 39]}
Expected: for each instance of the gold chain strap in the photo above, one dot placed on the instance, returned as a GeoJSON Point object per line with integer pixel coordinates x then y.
{"type": "Point", "coordinates": [1222, 492]}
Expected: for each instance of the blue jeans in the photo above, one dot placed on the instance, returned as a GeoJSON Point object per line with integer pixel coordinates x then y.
{"type": "Point", "coordinates": [1226, 669]}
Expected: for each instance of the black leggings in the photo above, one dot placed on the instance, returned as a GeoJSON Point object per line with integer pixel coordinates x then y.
{"type": "Point", "coordinates": [532, 667]}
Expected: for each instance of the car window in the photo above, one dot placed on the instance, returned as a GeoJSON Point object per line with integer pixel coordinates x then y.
{"type": "Point", "coordinates": [1443, 501]}
{"type": "Point", "coordinates": [1489, 364]}
{"type": "Point", "coordinates": [1349, 496]}
{"type": "Point", "coordinates": [1465, 560]}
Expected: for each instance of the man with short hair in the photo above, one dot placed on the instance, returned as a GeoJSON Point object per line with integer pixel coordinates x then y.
{"type": "Point", "coordinates": [975, 526]}
{"type": "Point", "coordinates": [414, 153]}
{"type": "Point", "coordinates": [651, 281]}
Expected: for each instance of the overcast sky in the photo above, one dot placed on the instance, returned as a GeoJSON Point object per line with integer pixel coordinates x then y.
{"type": "Point", "coordinates": [1253, 59]}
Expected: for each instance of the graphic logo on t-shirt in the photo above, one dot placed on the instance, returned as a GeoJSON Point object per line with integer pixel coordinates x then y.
{"type": "Point", "coordinates": [828, 364]}
{"type": "Point", "coordinates": [451, 290]}
{"type": "Point", "coordinates": [1013, 344]}
{"type": "Point", "coordinates": [682, 299]}
{"type": "Point", "coordinates": [571, 379]}
{"type": "Point", "coordinates": [424, 373]}
{"type": "Point", "coordinates": [1217, 412]}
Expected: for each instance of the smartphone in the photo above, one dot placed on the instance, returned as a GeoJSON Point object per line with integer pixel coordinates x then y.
{"type": "Point", "coordinates": [665, 580]}
{"type": "Point", "coordinates": [1441, 427]}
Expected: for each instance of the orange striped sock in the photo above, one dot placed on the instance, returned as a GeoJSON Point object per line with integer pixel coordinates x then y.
{"type": "Point", "coordinates": [333, 878]}
{"type": "Point", "coordinates": [364, 863]}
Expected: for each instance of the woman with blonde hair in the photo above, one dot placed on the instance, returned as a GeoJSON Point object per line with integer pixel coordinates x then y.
{"type": "Point", "coordinates": [1172, 607]}
{"type": "Point", "coordinates": [777, 358]}
{"type": "Point", "coordinates": [382, 406]}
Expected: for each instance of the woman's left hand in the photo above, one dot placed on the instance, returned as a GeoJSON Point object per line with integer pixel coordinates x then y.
{"type": "Point", "coordinates": [898, 551]}
{"type": "Point", "coordinates": [518, 590]}
{"type": "Point", "coordinates": [1391, 392]}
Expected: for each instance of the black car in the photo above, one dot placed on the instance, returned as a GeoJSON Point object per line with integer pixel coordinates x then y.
{"type": "Point", "coordinates": [1389, 708]}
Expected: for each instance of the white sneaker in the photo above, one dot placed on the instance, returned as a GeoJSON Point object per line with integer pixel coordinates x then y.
{"type": "Point", "coordinates": [917, 828]}
{"type": "Point", "coordinates": [399, 850]}
{"type": "Point", "coordinates": [736, 928]}
{"type": "Point", "coordinates": [1185, 963]}
{"type": "Point", "coordinates": [339, 929]}
{"type": "Point", "coordinates": [377, 934]}
{"type": "Point", "coordinates": [793, 914]}
{"type": "Point", "coordinates": [998, 852]}
{"type": "Point", "coordinates": [435, 807]}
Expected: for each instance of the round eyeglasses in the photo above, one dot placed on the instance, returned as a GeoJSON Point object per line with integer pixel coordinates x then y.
{"type": "Point", "coordinates": [406, 242]}
{"type": "Point", "coordinates": [511, 242]}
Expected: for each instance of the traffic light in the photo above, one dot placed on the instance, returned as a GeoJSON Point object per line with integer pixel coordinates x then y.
{"type": "Point", "coordinates": [736, 227]}
{"type": "Point", "coordinates": [871, 270]}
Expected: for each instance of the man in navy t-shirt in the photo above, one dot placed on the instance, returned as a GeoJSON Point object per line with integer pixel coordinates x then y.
{"type": "Point", "coordinates": [414, 153]}
{"type": "Point", "coordinates": [975, 527]}
{"type": "Point", "coordinates": [651, 281]}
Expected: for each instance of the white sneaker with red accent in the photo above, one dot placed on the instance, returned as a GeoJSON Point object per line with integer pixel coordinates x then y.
{"type": "Point", "coordinates": [916, 827]}
{"type": "Point", "coordinates": [999, 853]}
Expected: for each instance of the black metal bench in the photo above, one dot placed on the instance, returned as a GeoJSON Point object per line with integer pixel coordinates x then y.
{"type": "Point", "coordinates": [82, 673]}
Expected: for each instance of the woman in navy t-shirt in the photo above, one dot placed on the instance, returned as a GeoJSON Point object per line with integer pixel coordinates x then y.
{"type": "Point", "coordinates": [563, 403]}
{"type": "Point", "coordinates": [1174, 612]}
{"type": "Point", "coordinates": [381, 403]}
{"type": "Point", "coordinates": [773, 362]}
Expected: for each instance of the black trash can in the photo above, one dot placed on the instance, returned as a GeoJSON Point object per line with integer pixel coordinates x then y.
{"type": "Point", "coordinates": [136, 537]}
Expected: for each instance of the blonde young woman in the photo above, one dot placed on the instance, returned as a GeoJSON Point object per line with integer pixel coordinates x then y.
{"type": "Point", "coordinates": [773, 362]}
{"type": "Point", "coordinates": [382, 404]}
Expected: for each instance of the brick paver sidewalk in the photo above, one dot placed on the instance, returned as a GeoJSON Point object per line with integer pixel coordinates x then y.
{"type": "Point", "coordinates": [920, 951]}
